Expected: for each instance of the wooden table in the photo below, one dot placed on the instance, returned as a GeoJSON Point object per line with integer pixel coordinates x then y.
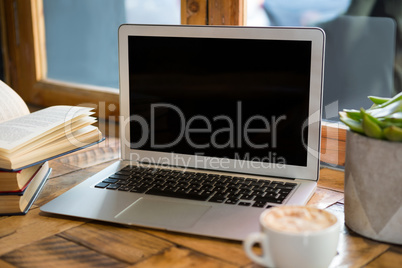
{"type": "Point", "coordinates": [39, 240]}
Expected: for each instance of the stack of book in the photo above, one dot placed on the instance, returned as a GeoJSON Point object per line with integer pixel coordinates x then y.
{"type": "Point", "coordinates": [29, 140]}
{"type": "Point", "coordinates": [19, 189]}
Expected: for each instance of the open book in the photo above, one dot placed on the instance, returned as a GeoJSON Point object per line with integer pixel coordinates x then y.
{"type": "Point", "coordinates": [30, 138]}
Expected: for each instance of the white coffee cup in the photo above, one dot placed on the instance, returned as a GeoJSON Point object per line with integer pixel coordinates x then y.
{"type": "Point", "coordinates": [295, 236]}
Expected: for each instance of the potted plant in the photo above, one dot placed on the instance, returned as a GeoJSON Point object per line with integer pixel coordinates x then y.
{"type": "Point", "coordinates": [373, 169]}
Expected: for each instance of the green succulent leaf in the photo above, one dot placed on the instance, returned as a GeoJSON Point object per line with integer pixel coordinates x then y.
{"type": "Point", "coordinates": [397, 97]}
{"type": "Point", "coordinates": [394, 118]}
{"type": "Point", "coordinates": [353, 114]}
{"type": "Point", "coordinates": [383, 120]}
{"type": "Point", "coordinates": [371, 126]}
{"type": "Point", "coordinates": [386, 110]}
{"type": "Point", "coordinates": [378, 100]}
{"type": "Point", "coordinates": [354, 125]}
{"type": "Point", "coordinates": [393, 133]}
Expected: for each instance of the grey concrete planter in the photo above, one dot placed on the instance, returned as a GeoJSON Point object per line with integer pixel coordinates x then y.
{"type": "Point", "coordinates": [373, 188]}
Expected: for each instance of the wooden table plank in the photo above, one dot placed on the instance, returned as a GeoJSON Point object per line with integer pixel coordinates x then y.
{"type": "Point", "coordinates": [331, 179]}
{"type": "Point", "coordinates": [230, 251]}
{"type": "Point", "coordinates": [391, 258]}
{"type": "Point", "coordinates": [55, 251]}
{"type": "Point", "coordinates": [4, 264]}
{"type": "Point", "coordinates": [24, 230]}
{"type": "Point", "coordinates": [55, 186]}
{"type": "Point", "coordinates": [125, 244]}
{"type": "Point", "coordinates": [59, 169]}
{"type": "Point", "coordinates": [182, 258]}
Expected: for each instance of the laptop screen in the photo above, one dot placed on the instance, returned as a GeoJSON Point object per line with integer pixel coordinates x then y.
{"type": "Point", "coordinates": [243, 99]}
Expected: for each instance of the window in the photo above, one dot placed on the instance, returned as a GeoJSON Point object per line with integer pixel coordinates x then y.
{"type": "Point", "coordinates": [81, 36]}
{"type": "Point", "coordinates": [29, 57]}
{"type": "Point", "coordinates": [26, 63]}
{"type": "Point", "coordinates": [360, 47]}
{"type": "Point", "coordinates": [35, 60]}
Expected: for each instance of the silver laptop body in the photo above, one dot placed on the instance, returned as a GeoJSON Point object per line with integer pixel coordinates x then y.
{"type": "Point", "coordinates": [224, 101]}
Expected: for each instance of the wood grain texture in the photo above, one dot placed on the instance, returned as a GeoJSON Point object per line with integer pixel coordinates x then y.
{"type": "Point", "coordinates": [4, 42]}
{"type": "Point", "coordinates": [182, 258]}
{"type": "Point", "coordinates": [20, 44]}
{"type": "Point", "coordinates": [391, 258]}
{"type": "Point", "coordinates": [105, 101]}
{"type": "Point", "coordinates": [331, 179]}
{"type": "Point", "coordinates": [59, 169]}
{"type": "Point", "coordinates": [333, 151]}
{"type": "Point", "coordinates": [194, 12]}
{"type": "Point", "coordinates": [213, 12]}
{"type": "Point", "coordinates": [218, 248]}
{"type": "Point", "coordinates": [25, 230]}
{"type": "Point", "coordinates": [226, 12]}
{"type": "Point", "coordinates": [125, 244]}
{"type": "Point", "coordinates": [333, 143]}
{"type": "Point", "coordinates": [4, 264]}
{"type": "Point", "coordinates": [334, 130]}
{"type": "Point", "coordinates": [59, 252]}
{"type": "Point", "coordinates": [58, 185]}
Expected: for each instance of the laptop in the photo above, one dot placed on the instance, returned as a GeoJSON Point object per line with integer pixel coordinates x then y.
{"type": "Point", "coordinates": [217, 125]}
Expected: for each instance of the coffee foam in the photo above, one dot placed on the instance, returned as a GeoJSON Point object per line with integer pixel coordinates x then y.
{"type": "Point", "coordinates": [298, 219]}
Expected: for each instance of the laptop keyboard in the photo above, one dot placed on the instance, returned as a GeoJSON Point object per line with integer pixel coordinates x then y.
{"type": "Point", "coordinates": [199, 186]}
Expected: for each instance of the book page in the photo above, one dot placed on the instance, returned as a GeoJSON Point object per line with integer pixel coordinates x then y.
{"type": "Point", "coordinates": [11, 104]}
{"type": "Point", "coordinates": [63, 133]}
{"type": "Point", "coordinates": [19, 131]}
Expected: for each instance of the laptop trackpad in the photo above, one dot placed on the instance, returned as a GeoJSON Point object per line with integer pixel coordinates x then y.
{"type": "Point", "coordinates": [155, 212]}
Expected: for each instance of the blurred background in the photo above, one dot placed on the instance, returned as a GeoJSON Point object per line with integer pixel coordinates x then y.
{"type": "Point", "coordinates": [363, 49]}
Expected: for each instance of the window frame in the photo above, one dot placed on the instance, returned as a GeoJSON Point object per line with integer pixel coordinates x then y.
{"type": "Point", "coordinates": [25, 49]}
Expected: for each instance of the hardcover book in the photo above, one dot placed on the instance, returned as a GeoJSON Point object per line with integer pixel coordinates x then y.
{"type": "Point", "coordinates": [19, 202]}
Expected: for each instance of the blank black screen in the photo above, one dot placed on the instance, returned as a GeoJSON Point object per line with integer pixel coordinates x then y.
{"type": "Point", "coordinates": [234, 98]}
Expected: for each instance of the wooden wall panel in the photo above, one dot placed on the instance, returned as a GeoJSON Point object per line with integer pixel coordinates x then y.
{"type": "Point", "coordinates": [213, 12]}
{"type": "Point", "coordinates": [226, 12]}
{"type": "Point", "coordinates": [194, 12]}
